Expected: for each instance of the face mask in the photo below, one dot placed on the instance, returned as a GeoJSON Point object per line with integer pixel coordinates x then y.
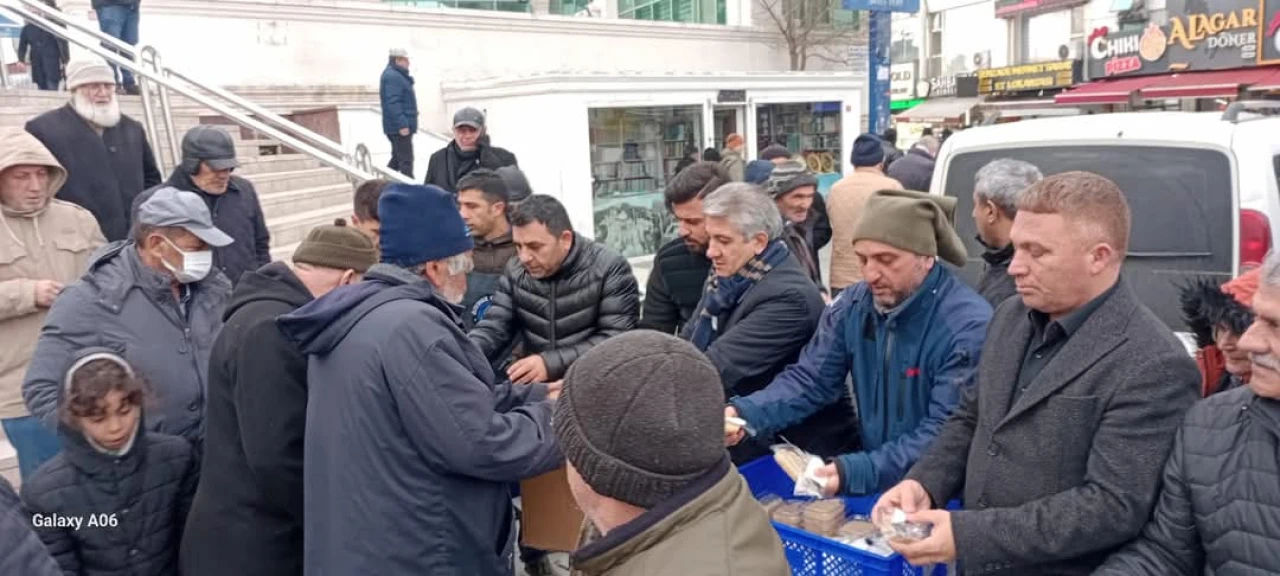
{"type": "Point", "coordinates": [195, 265]}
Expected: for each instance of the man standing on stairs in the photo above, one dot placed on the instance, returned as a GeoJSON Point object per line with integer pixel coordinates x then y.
{"type": "Point", "coordinates": [470, 149]}
{"type": "Point", "coordinates": [208, 159]}
{"type": "Point", "coordinates": [119, 19]}
{"type": "Point", "coordinates": [399, 110]}
{"type": "Point", "coordinates": [106, 153]}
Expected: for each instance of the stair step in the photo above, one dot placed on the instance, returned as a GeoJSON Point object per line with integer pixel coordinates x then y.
{"type": "Point", "coordinates": [281, 204]}
{"type": "Point", "coordinates": [277, 163]}
{"type": "Point", "coordinates": [272, 182]}
{"type": "Point", "coordinates": [293, 228]}
{"type": "Point", "coordinates": [284, 252]}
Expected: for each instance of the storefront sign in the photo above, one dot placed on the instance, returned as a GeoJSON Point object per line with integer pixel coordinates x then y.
{"type": "Point", "coordinates": [1029, 77]}
{"type": "Point", "coordinates": [1224, 34]}
{"type": "Point", "coordinates": [731, 97]}
{"type": "Point", "coordinates": [902, 81]}
{"type": "Point", "coordinates": [1012, 8]}
{"type": "Point", "coordinates": [964, 86]}
{"type": "Point", "coordinates": [1269, 43]}
{"type": "Point", "coordinates": [912, 6]}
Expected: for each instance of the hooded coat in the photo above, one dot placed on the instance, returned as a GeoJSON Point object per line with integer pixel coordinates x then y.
{"type": "Point", "coordinates": [449, 164]}
{"type": "Point", "coordinates": [24, 553]}
{"type": "Point", "coordinates": [105, 172]}
{"type": "Point", "coordinates": [411, 444]}
{"type": "Point", "coordinates": [51, 243]}
{"type": "Point", "coordinates": [1207, 305]}
{"type": "Point", "coordinates": [123, 305]}
{"type": "Point", "coordinates": [247, 515]}
{"type": "Point", "coordinates": [914, 170]}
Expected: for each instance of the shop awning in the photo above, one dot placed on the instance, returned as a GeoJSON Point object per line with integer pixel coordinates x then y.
{"type": "Point", "coordinates": [1270, 83]}
{"type": "Point", "coordinates": [1039, 112]}
{"type": "Point", "coordinates": [1216, 84]}
{"type": "Point", "coordinates": [1115, 91]}
{"type": "Point", "coordinates": [939, 110]}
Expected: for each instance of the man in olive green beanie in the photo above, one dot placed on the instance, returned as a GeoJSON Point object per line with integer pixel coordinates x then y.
{"type": "Point", "coordinates": [919, 223]}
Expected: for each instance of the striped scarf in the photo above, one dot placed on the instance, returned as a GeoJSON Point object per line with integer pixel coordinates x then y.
{"type": "Point", "coordinates": [722, 294]}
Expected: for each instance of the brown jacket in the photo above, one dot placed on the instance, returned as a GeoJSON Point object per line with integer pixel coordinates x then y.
{"type": "Point", "coordinates": [492, 257]}
{"type": "Point", "coordinates": [714, 528]}
{"type": "Point", "coordinates": [844, 206]}
{"type": "Point", "coordinates": [52, 243]}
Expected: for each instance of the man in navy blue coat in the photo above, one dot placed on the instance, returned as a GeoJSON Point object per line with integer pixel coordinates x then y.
{"type": "Point", "coordinates": [399, 111]}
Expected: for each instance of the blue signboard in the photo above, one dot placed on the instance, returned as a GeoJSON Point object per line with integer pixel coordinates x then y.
{"type": "Point", "coordinates": [883, 5]}
{"type": "Point", "coordinates": [878, 100]}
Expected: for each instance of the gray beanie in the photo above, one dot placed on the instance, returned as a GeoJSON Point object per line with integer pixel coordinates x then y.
{"type": "Point", "coordinates": [788, 176]}
{"type": "Point", "coordinates": [641, 416]}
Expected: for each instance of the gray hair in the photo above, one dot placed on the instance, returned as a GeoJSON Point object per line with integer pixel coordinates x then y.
{"type": "Point", "coordinates": [747, 207]}
{"type": "Point", "coordinates": [456, 264]}
{"type": "Point", "coordinates": [1002, 180]}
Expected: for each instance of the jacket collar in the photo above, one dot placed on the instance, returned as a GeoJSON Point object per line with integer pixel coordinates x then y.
{"type": "Point", "coordinates": [571, 261]}
{"type": "Point", "coordinates": [403, 71]}
{"type": "Point", "coordinates": [919, 302]}
{"type": "Point", "coordinates": [1266, 412]}
{"type": "Point", "coordinates": [705, 494]}
{"type": "Point", "coordinates": [499, 242]}
{"type": "Point", "coordinates": [999, 257]}
{"type": "Point", "coordinates": [181, 179]}
{"type": "Point", "coordinates": [93, 462]}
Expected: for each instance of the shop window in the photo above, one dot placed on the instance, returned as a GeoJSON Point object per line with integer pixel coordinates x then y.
{"type": "Point", "coordinates": [696, 11]}
{"type": "Point", "coordinates": [634, 153]}
{"type": "Point", "coordinates": [494, 5]}
{"type": "Point", "coordinates": [809, 129]}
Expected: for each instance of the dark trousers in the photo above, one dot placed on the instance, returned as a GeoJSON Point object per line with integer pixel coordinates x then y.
{"type": "Point", "coordinates": [401, 154]}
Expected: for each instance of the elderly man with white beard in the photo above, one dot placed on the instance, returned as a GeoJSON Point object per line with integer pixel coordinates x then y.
{"type": "Point", "coordinates": [106, 153]}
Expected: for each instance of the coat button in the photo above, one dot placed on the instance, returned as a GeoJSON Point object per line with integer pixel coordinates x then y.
{"type": "Point", "coordinates": [993, 449]}
{"type": "Point", "coordinates": [194, 406]}
{"type": "Point", "coordinates": [133, 552]}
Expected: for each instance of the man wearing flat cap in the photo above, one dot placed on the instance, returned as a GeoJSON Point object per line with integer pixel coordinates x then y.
{"type": "Point", "coordinates": [469, 149]}
{"type": "Point", "coordinates": [909, 336]}
{"type": "Point", "coordinates": [208, 161]}
{"type": "Point", "coordinates": [154, 299]}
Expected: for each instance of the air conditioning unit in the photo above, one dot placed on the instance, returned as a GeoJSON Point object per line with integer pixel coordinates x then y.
{"type": "Point", "coordinates": [982, 60]}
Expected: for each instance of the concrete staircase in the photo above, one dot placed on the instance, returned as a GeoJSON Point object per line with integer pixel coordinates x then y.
{"type": "Point", "coordinates": [296, 191]}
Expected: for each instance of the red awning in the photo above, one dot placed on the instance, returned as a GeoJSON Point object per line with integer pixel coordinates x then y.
{"type": "Point", "coordinates": [1115, 91]}
{"type": "Point", "coordinates": [1215, 84]}
{"type": "Point", "coordinates": [1270, 83]}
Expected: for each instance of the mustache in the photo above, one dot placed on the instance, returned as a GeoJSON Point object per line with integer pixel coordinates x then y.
{"type": "Point", "coordinates": [1268, 361]}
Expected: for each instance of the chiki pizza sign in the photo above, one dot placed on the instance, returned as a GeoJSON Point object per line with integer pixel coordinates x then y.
{"type": "Point", "coordinates": [1205, 35]}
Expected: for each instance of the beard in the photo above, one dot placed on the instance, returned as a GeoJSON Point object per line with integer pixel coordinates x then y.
{"type": "Point", "coordinates": [102, 115]}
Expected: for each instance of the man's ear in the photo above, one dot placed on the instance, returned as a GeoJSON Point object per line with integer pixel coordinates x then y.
{"type": "Point", "coordinates": [566, 236]}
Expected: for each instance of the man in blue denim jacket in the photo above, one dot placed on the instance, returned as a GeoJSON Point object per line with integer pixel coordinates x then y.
{"type": "Point", "coordinates": [908, 337]}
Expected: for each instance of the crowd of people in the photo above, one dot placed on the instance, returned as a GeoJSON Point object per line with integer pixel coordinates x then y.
{"type": "Point", "coordinates": [182, 405]}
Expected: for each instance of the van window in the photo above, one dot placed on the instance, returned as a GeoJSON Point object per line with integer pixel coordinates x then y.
{"type": "Point", "coordinates": [1180, 202]}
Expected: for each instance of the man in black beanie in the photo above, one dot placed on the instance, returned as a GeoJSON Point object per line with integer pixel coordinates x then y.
{"type": "Point", "coordinates": [640, 423]}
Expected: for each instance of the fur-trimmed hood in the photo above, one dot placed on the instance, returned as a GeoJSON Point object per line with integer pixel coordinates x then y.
{"type": "Point", "coordinates": [1205, 304]}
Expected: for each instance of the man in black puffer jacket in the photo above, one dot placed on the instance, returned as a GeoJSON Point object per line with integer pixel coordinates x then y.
{"type": "Point", "coordinates": [562, 295]}
{"type": "Point", "coordinates": [23, 553]}
{"type": "Point", "coordinates": [1219, 506]}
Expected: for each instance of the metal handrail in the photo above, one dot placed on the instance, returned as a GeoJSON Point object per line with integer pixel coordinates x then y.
{"type": "Point", "coordinates": [287, 132]}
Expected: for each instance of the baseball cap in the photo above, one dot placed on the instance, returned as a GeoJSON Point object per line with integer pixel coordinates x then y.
{"type": "Point", "coordinates": [469, 117]}
{"type": "Point", "coordinates": [211, 144]}
{"type": "Point", "coordinates": [170, 206]}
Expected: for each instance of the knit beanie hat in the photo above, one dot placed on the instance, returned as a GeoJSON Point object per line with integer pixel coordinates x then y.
{"type": "Point", "coordinates": [868, 150]}
{"type": "Point", "coordinates": [758, 172]}
{"type": "Point", "coordinates": [92, 71]}
{"type": "Point", "coordinates": [338, 246]}
{"type": "Point", "coordinates": [912, 221]}
{"type": "Point", "coordinates": [420, 224]}
{"type": "Point", "coordinates": [641, 416]}
{"type": "Point", "coordinates": [788, 176]}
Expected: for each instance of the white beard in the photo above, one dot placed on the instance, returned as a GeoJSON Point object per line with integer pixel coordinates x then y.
{"type": "Point", "coordinates": [101, 115]}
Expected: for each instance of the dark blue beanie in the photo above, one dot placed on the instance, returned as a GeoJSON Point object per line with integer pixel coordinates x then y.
{"type": "Point", "coordinates": [420, 224]}
{"type": "Point", "coordinates": [867, 151]}
{"type": "Point", "coordinates": [758, 171]}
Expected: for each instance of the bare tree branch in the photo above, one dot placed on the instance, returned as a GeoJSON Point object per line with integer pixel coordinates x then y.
{"type": "Point", "coordinates": [809, 28]}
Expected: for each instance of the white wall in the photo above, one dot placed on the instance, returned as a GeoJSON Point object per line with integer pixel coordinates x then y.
{"type": "Point", "coordinates": [969, 28]}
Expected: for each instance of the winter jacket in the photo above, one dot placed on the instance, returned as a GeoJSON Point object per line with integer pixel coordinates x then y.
{"type": "Point", "coordinates": [141, 500]}
{"type": "Point", "coordinates": [104, 172]}
{"type": "Point", "coordinates": [1057, 478]}
{"type": "Point", "coordinates": [795, 236]}
{"type": "Point", "coordinates": [909, 368]}
{"type": "Point", "coordinates": [818, 225]}
{"type": "Point", "coordinates": [713, 527]}
{"type": "Point", "coordinates": [412, 444]}
{"type": "Point", "coordinates": [491, 257]}
{"type": "Point", "coordinates": [592, 297]}
{"type": "Point", "coordinates": [247, 515]}
{"type": "Point", "coordinates": [449, 164]}
{"type": "Point", "coordinates": [24, 554]}
{"type": "Point", "coordinates": [236, 212]}
{"type": "Point", "coordinates": [763, 335]}
{"type": "Point", "coordinates": [734, 165]}
{"type": "Point", "coordinates": [891, 152]}
{"type": "Point", "coordinates": [123, 305]}
{"type": "Point", "coordinates": [674, 288]}
{"type": "Point", "coordinates": [1219, 496]}
{"type": "Point", "coordinates": [845, 203]}
{"type": "Point", "coordinates": [491, 260]}
{"type": "Point", "coordinates": [53, 243]}
{"type": "Point", "coordinates": [914, 170]}
{"type": "Point", "coordinates": [996, 285]}
{"type": "Point", "coordinates": [399, 101]}
{"type": "Point", "coordinates": [46, 53]}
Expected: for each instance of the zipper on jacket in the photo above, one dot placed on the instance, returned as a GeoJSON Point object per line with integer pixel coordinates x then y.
{"type": "Point", "coordinates": [888, 370]}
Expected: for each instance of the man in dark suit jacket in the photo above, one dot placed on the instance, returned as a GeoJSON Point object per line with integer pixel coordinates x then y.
{"type": "Point", "coordinates": [1080, 390]}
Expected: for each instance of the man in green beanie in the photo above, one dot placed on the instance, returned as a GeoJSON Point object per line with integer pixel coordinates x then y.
{"type": "Point", "coordinates": [639, 422]}
{"type": "Point", "coordinates": [909, 335]}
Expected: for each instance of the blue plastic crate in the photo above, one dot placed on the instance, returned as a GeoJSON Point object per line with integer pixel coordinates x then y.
{"type": "Point", "coordinates": [812, 555]}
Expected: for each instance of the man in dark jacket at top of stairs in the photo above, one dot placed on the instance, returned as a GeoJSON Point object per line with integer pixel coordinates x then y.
{"type": "Point", "coordinates": [399, 110]}
{"type": "Point", "coordinates": [208, 160]}
{"type": "Point", "coordinates": [412, 444]}
{"type": "Point", "coordinates": [247, 515]}
{"type": "Point", "coordinates": [1219, 505]}
{"type": "Point", "coordinates": [469, 150]}
{"type": "Point", "coordinates": [106, 153]}
{"type": "Point", "coordinates": [680, 267]}
{"type": "Point", "coordinates": [561, 296]}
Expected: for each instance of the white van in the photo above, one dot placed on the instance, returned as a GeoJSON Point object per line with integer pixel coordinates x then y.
{"type": "Point", "coordinates": [1202, 187]}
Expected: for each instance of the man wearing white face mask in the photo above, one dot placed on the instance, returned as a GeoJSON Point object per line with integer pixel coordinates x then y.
{"type": "Point", "coordinates": [153, 300]}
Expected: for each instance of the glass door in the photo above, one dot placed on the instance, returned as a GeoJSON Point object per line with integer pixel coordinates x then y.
{"type": "Point", "coordinates": [728, 120]}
